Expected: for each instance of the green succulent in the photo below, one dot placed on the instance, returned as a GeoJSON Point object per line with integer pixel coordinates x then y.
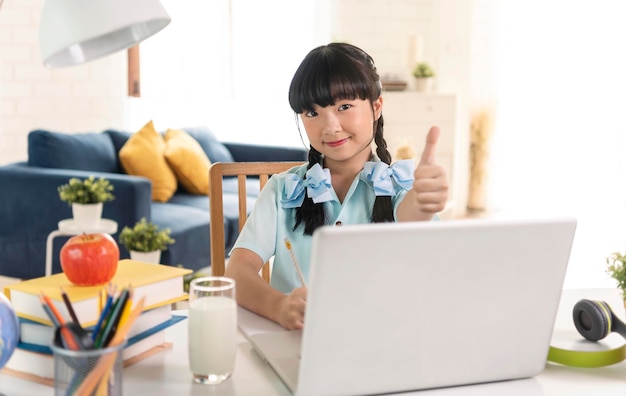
{"type": "Point", "coordinates": [616, 268]}
{"type": "Point", "coordinates": [86, 191]}
{"type": "Point", "coordinates": [423, 70]}
{"type": "Point", "coordinates": [145, 236]}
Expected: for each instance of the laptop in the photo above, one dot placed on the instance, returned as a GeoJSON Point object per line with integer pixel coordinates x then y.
{"type": "Point", "coordinates": [398, 307]}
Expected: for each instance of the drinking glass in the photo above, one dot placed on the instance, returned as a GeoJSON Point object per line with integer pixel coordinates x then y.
{"type": "Point", "coordinates": [212, 329]}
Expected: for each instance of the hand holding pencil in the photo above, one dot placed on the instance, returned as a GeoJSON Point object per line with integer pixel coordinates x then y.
{"type": "Point", "coordinates": [290, 310]}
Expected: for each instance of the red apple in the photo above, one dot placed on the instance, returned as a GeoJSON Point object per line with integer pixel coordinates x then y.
{"type": "Point", "coordinates": [90, 259]}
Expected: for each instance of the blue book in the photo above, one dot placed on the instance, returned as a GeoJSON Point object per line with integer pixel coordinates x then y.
{"type": "Point", "coordinates": [33, 332]}
{"type": "Point", "coordinates": [39, 348]}
{"type": "Point", "coordinates": [36, 362]}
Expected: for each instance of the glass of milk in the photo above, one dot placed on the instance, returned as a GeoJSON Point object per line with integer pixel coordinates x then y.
{"type": "Point", "coordinates": [212, 329]}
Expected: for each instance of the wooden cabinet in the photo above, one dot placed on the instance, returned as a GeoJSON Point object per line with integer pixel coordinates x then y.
{"type": "Point", "coordinates": [409, 115]}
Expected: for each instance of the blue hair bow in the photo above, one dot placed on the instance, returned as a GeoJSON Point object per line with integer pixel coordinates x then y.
{"type": "Point", "coordinates": [316, 182]}
{"type": "Point", "coordinates": [383, 176]}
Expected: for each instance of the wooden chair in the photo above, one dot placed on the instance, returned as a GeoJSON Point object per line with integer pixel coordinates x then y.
{"type": "Point", "coordinates": [263, 170]}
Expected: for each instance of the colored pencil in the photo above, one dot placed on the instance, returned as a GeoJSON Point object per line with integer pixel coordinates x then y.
{"type": "Point", "coordinates": [53, 308]}
{"type": "Point", "coordinates": [104, 313]}
{"type": "Point", "coordinates": [295, 262]}
{"type": "Point", "coordinates": [66, 333]}
{"type": "Point", "coordinates": [105, 363]}
{"type": "Point", "coordinates": [127, 307]}
{"type": "Point", "coordinates": [49, 312]}
{"type": "Point", "coordinates": [68, 305]}
{"type": "Point", "coordinates": [113, 318]}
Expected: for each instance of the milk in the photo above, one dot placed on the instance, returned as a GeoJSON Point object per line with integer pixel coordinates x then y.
{"type": "Point", "coordinates": [212, 335]}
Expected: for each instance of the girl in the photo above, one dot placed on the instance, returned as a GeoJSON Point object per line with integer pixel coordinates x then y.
{"type": "Point", "coordinates": [336, 91]}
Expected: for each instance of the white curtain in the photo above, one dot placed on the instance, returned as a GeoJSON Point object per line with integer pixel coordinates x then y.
{"type": "Point", "coordinates": [559, 145]}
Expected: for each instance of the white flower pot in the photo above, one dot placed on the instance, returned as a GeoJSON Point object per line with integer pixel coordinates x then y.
{"type": "Point", "coordinates": [424, 84]}
{"type": "Point", "coordinates": [153, 257]}
{"type": "Point", "coordinates": [87, 216]}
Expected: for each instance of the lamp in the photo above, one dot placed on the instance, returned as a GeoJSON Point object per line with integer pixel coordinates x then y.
{"type": "Point", "coordinates": [78, 31]}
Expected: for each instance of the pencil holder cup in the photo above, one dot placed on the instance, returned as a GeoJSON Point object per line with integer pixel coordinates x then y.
{"type": "Point", "coordinates": [88, 372]}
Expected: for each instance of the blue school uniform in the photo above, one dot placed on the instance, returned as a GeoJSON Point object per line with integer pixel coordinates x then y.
{"type": "Point", "coordinates": [273, 217]}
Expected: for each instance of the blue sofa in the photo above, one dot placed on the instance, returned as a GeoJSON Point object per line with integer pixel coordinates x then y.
{"type": "Point", "coordinates": [30, 207]}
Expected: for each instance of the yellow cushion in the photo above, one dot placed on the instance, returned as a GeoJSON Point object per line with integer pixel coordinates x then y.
{"type": "Point", "coordinates": [188, 161]}
{"type": "Point", "coordinates": [142, 155]}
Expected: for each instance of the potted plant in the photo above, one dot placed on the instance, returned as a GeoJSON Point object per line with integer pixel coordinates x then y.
{"type": "Point", "coordinates": [86, 197]}
{"type": "Point", "coordinates": [145, 241]}
{"type": "Point", "coordinates": [616, 268]}
{"type": "Point", "coordinates": [424, 75]}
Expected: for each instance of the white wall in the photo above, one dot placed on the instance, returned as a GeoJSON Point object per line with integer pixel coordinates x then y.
{"type": "Point", "coordinates": [241, 94]}
{"type": "Point", "coordinates": [396, 33]}
{"type": "Point", "coordinates": [77, 99]}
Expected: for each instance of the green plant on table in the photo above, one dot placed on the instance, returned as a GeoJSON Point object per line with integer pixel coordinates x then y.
{"type": "Point", "coordinates": [423, 70]}
{"type": "Point", "coordinates": [145, 236]}
{"type": "Point", "coordinates": [616, 268]}
{"type": "Point", "coordinates": [86, 191]}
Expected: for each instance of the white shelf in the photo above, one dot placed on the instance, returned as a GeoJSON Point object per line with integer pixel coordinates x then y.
{"type": "Point", "coordinates": [69, 226]}
{"type": "Point", "coordinates": [409, 115]}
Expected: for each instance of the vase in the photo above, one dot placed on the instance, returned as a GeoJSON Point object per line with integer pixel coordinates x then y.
{"type": "Point", "coordinates": [424, 84]}
{"type": "Point", "coordinates": [481, 132]}
{"type": "Point", "coordinates": [153, 257]}
{"type": "Point", "coordinates": [87, 216]}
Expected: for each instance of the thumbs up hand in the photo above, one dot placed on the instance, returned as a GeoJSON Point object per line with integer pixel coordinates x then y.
{"type": "Point", "coordinates": [430, 187]}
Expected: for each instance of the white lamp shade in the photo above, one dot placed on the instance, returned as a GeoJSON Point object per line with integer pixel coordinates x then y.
{"type": "Point", "coordinates": [78, 31]}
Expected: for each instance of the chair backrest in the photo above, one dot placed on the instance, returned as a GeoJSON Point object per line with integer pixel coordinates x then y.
{"type": "Point", "coordinates": [262, 170]}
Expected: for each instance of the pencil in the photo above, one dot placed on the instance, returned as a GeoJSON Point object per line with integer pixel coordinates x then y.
{"type": "Point", "coordinates": [68, 305]}
{"type": "Point", "coordinates": [48, 312]}
{"type": "Point", "coordinates": [295, 262]}
{"type": "Point", "coordinates": [101, 298]}
{"type": "Point", "coordinates": [53, 309]}
{"type": "Point", "coordinates": [106, 362]}
{"type": "Point", "coordinates": [104, 313]}
{"type": "Point", "coordinates": [113, 318]}
{"type": "Point", "coordinates": [58, 321]}
{"type": "Point", "coordinates": [127, 307]}
{"type": "Point", "coordinates": [116, 317]}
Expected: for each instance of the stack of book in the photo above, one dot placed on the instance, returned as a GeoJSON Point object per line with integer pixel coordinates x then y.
{"type": "Point", "coordinates": [161, 285]}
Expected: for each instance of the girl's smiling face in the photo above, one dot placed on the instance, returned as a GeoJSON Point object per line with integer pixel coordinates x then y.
{"type": "Point", "coordinates": [343, 130]}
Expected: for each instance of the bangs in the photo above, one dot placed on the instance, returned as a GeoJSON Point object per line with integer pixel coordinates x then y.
{"type": "Point", "coordinates": [327, 76]}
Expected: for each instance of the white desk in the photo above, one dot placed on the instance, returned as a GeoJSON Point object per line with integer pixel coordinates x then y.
{"type": "Point", "coordinates": [67, 227]}
{"type": "Point", "coordinates": [167, 373]}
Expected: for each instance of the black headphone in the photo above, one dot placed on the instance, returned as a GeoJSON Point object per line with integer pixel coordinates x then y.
{"type": "Point", "coordinates": [595, 320]}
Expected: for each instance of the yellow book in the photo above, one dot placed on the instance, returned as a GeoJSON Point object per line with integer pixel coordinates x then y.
{"type": "Point", "coordinates": [160, 284]}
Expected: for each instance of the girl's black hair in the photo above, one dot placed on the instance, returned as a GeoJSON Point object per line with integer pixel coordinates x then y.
{"type": "Point", "coordinates": [328, 74]}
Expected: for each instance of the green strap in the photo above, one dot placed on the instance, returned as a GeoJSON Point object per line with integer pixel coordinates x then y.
{"type": "Point", "coordinates": [587, 359]}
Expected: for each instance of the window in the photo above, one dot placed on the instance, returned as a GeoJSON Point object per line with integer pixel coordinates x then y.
{"type": "Point", "coordinates": [228, 65]}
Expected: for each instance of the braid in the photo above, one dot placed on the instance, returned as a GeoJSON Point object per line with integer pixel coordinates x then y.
{"type": "Point", "coordinates": [310, 213]}
{"type": "Point", "coordinates": [381, 144]}
{"type": "Point", "coordinates": [383, 207]}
